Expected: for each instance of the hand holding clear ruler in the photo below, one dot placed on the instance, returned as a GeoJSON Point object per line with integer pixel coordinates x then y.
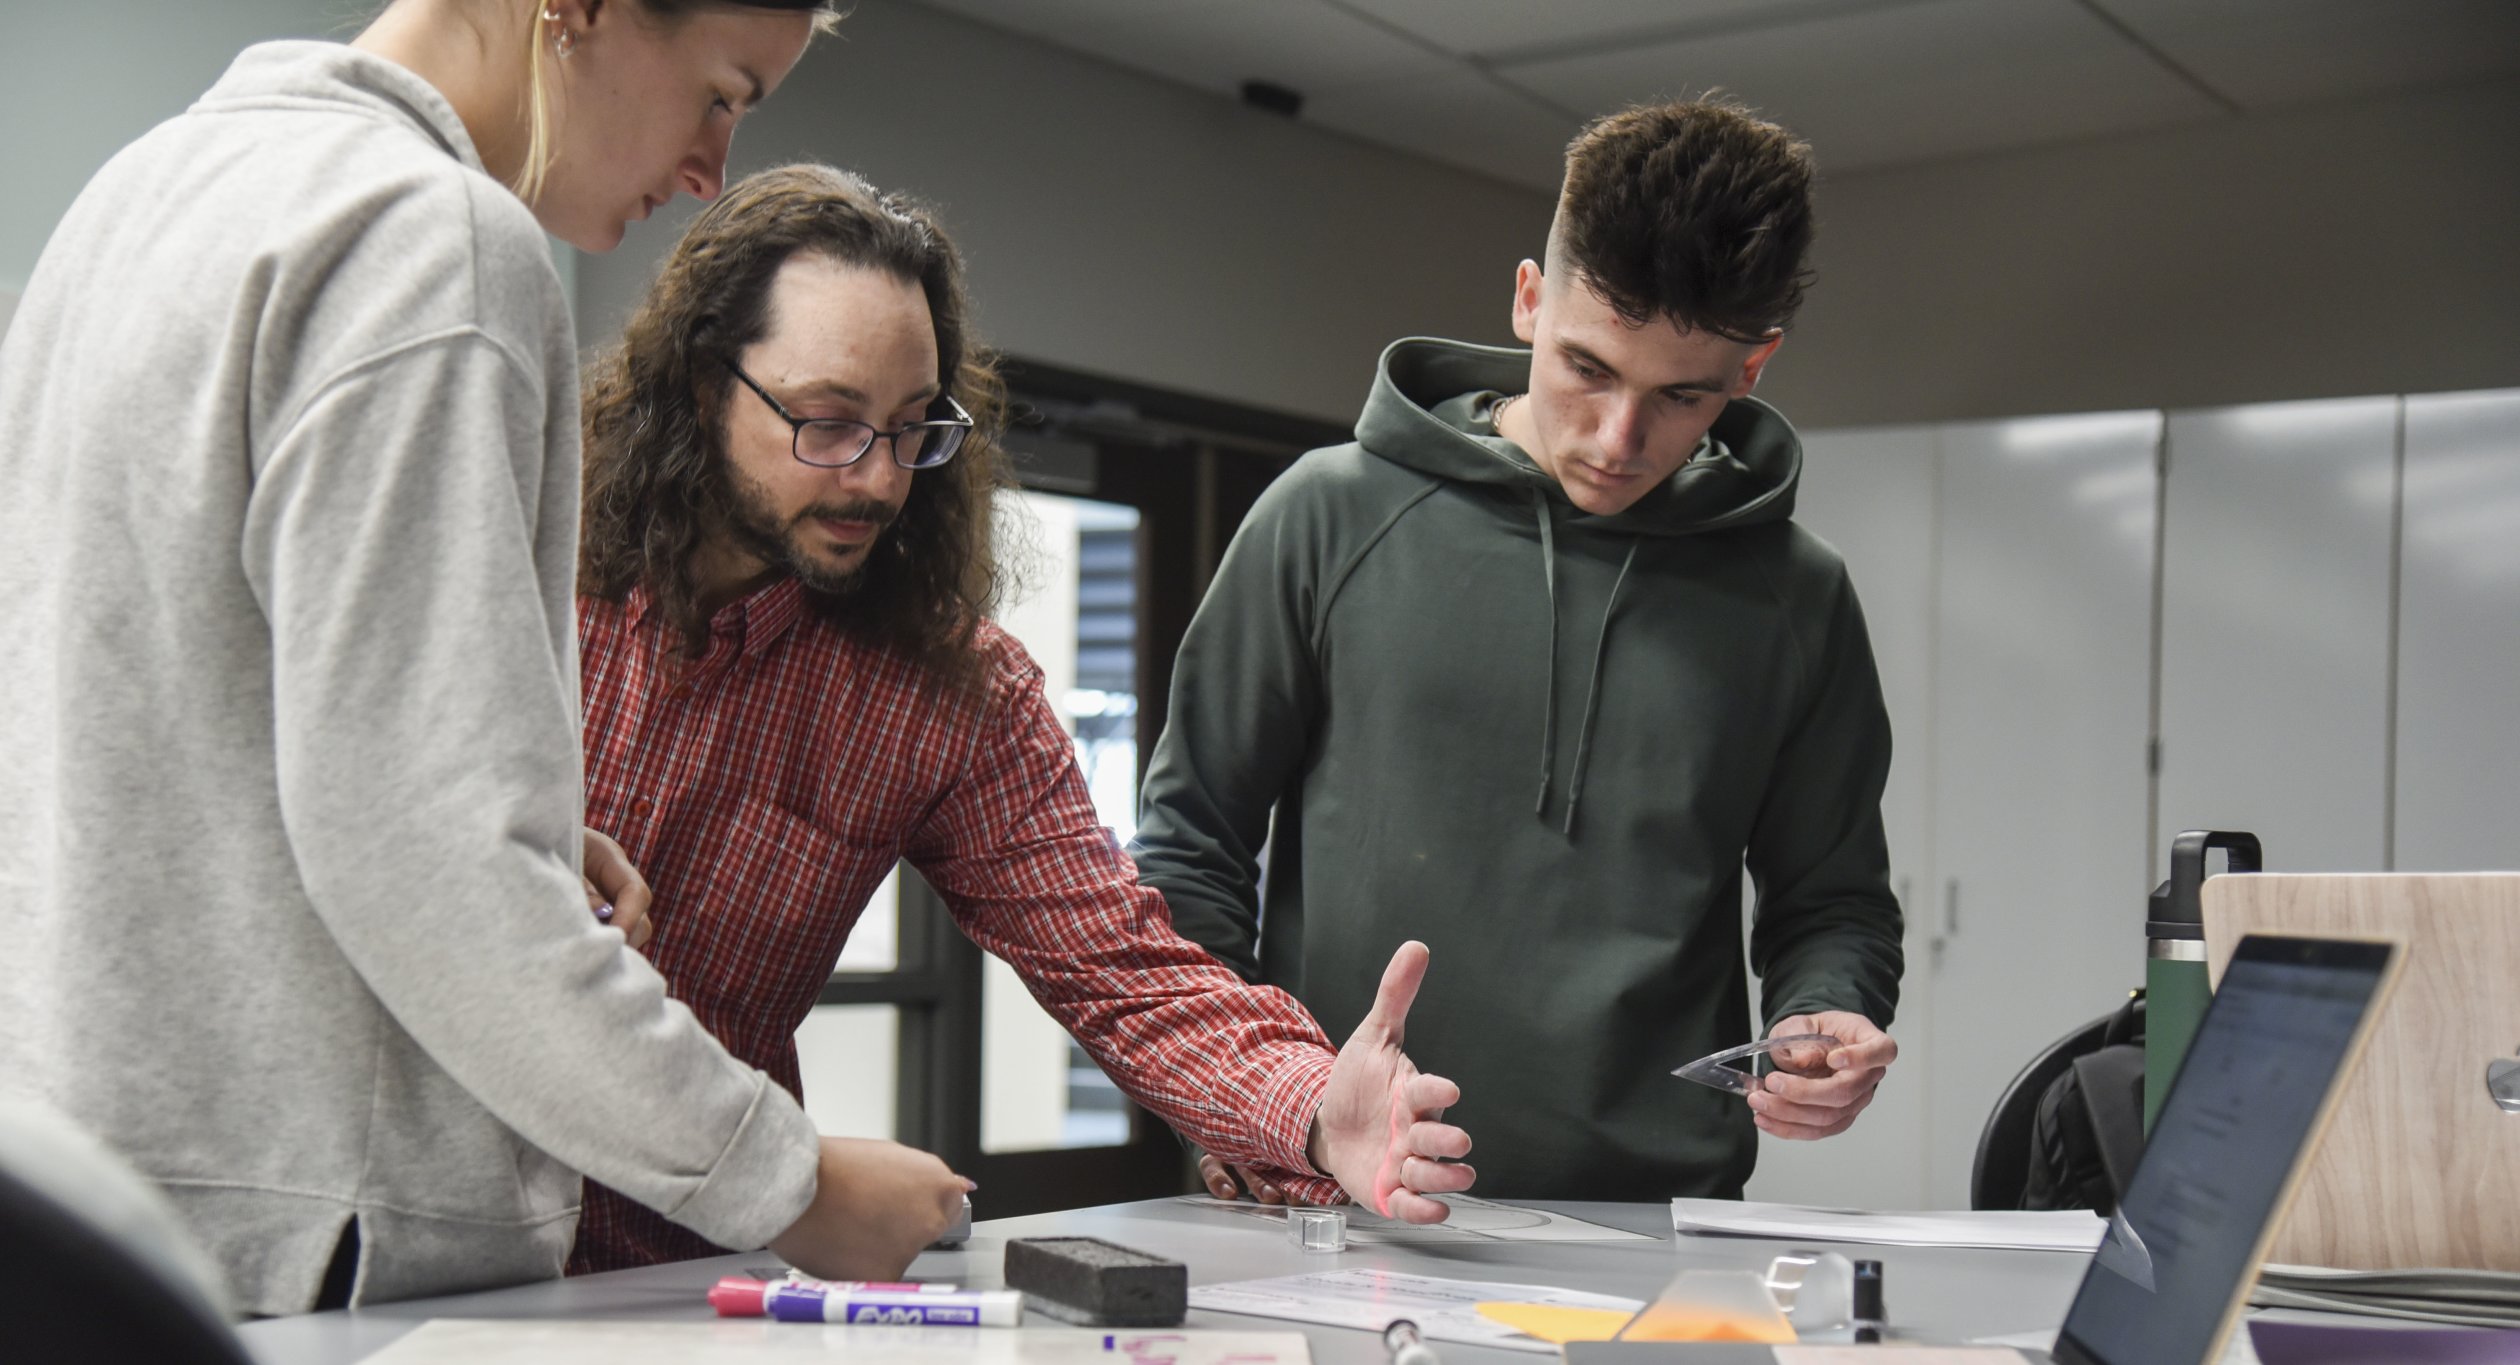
{"type": "Point", "coordinates": [1738, 1069]}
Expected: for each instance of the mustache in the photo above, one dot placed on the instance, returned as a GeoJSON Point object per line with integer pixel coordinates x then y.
{"type": "Point", "coordinates": [877, 513]}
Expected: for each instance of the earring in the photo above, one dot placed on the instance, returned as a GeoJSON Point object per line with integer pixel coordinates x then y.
{"type": "Point", "coordinates": [564, 41]}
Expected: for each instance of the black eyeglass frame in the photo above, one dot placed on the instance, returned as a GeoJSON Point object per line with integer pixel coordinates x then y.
{"type": "Point", "coordinates": [949, 432]}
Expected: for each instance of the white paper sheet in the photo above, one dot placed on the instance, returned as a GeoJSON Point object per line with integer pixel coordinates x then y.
{"type": "Point", "coordinates": [1444, 1310]}
{"type": "Point", "coordinates": [1473, 1220]}
{"type": "Point", "coordinates": [2068, 1230]}
{"type": "Point", "coordinates": [457, 1341]}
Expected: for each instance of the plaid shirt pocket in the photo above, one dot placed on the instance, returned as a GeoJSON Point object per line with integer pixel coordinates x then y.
{"type": "Point", "coordinates": [779, 899]}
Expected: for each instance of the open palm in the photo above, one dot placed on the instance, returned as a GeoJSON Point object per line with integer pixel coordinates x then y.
{"type": "Point", "coordinates": [1379, 1131]}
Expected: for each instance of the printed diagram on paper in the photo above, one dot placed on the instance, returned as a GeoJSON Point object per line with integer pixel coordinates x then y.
{"type": "Point", "coordinates": [1444, 1310]}
{"type": "Point", "coordinates": [1473, 1220]}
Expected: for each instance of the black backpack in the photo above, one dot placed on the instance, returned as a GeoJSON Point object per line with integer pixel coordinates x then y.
{"type": "Point", "coordinates": [2089, 1129]}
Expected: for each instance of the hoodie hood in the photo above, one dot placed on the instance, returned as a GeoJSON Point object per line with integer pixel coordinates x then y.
{"type": "Point", "coordinates": [1429, 411]}
{"type": "Point", "coordinates": [1432, 411]}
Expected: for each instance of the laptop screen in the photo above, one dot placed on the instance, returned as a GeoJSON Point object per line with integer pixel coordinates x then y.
{"type": "Point", "coordinates": [2247, 1099]}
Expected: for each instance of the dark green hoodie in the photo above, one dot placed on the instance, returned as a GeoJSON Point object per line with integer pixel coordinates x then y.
{"type": "Point", "coordinates": [1545, 742]}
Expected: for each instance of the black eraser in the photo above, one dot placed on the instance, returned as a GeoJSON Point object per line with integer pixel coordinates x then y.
{"type": "Point", "coordinates": [1102, 1284]}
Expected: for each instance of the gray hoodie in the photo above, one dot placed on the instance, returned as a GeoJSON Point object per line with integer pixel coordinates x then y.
{"type": "Point", "coordinates": [1547, 743]}
{"type": "Point", "coordinates": [289, 765]}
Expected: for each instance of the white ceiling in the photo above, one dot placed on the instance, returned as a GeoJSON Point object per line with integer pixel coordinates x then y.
{"type": "Point", "coordinates": [1497, 86]}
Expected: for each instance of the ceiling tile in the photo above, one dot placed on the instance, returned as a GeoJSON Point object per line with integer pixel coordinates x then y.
{"type": "Point", "coordinates": [1910, 83]}
{"type": "Point", "coordinates": [1303, 44]}
{"type": "Point", "coordinates": [1870, 82]}
{"type": "Point", "coordinates": [1480, 28]}
{"type": "Point", "coordinates": [1457, 117]}
{"type": "Point", "coordinates": [2268, 53]}
{"type": "Point", "coordinates": [1055, 19]}
{"type": "Point", "coordinates": [1307, 45]}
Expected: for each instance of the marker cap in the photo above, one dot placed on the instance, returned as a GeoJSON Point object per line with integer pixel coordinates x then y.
{"type": "Point", "coordinates": [738, 1297]}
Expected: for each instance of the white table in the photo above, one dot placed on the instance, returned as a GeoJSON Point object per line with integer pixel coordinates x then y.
{"type": "Point", "coordinates": [1951, 1294]}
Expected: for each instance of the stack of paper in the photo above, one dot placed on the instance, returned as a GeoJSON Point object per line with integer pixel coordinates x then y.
{"type": "Point", "coordinates": [2466, 1298]}
{"type": "Point", "coordinates": [2068, 1230]}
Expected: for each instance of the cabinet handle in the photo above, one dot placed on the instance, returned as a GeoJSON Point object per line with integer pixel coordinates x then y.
{"type": "Point", "coordinates": [1951, 907]}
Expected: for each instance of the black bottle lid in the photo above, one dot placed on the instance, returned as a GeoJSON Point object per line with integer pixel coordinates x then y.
{"type": "Point", "coordinates": [2165, 922]}
{"type": "Point", "coordinates": [2178, 908]}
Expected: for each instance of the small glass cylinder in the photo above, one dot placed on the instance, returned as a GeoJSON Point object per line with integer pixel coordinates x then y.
{"type": "Point", "coordinates": [1317, 1229]}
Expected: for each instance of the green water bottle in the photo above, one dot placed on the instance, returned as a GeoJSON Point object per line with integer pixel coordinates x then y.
{"type": "Point", "coordinates": [2175, 984]}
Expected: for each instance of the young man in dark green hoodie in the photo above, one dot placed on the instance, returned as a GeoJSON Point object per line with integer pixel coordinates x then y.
{"type": "Point", "coordinates": [1533, 669]}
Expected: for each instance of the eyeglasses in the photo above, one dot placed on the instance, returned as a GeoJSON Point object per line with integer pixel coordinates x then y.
{"type": "Point", "coordinates": [836, 442]}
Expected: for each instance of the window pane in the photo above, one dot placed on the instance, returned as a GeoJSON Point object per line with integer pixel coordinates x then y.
{"type": "Point", "coordinates": [1079, 622]}
{"type": "Point", "coordinates": [848, 1055]}
{"type": "Point", "coordinates": [875, 941]}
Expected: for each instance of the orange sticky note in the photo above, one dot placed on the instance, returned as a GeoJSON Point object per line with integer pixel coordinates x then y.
{"type": "Point", "coordinates": [1683, 1325]}
{"type": "Point", "coordinates": [1560, 1325]}
{"type": "Point", "coordinates": [1712, 1305]}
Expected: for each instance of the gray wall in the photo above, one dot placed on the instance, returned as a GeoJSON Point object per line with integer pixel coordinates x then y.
{"type": "Point", "coordinates": [1129, 226]}
{"type": "Point", "coordinates": [1113, 222]}
{"type": "Point", "coordinates": [2364, 248]}
{"type": "Point", "coordinates": [1120, 224]}
{"type": "Point", "coordinates": [84, 79]}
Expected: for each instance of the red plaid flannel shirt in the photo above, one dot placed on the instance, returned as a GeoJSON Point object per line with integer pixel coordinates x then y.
{"type": "Point", "coordinates": [766, 789]}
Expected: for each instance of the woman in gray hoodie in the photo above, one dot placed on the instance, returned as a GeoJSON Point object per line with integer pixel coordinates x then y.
{"type": "Point", "coordinates": [289, 783]}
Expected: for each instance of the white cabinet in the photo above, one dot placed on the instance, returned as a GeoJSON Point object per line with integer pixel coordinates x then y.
{"type": "Point", "coordinates": [2275, 607]}
{"type": "Point", "coordinates": [2458, 725]}
{"type": "Point", "coordinates": [2328, 658]}
{"type": "Point", "coordinates": [1870, 494]}
{"type": "Point", "coordinates": [2006, 574]}
{"type": "Point", "coordinates": [2042, 700]}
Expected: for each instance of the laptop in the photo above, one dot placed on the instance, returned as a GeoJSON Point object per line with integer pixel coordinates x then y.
{"type": "Point", "coordinates": [2421, 1167]}
{"type": "Point", "coordinates": [2228, 1147]}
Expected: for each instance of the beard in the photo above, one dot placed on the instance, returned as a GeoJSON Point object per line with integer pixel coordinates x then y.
{"type": "Point", "coordinates": [754, 522]}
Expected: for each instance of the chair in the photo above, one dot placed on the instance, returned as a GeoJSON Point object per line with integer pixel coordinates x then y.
{"type": "Point", "coordinates": [94, 1265]}
{"type": "Point", "coordinates": [2002, 1168]}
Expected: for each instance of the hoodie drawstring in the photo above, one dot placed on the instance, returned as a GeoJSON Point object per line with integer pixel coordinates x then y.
{"type": "Point", "coordinates": [1592, 690]}
{"type": "Point", "coordinates": [1548, 576]}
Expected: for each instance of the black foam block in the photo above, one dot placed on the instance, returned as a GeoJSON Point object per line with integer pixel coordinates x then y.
{"type": "Point", "coordinates": [1098, 1283]}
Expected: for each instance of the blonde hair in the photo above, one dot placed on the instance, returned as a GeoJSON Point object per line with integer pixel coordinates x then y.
{"type": "Point", "coordinates": [540, 127]}
{"type": "Point", "coordinates": [539, 153]}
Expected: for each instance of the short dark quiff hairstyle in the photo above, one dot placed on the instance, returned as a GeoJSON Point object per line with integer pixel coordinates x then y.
{"type": "Point", "coordinates": [656, 474]}
{"type": "Point", "coordinates": [1698, 211]}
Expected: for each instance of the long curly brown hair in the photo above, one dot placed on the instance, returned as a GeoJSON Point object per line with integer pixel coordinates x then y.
{"type": "Point", "coordinates": [657, 481]}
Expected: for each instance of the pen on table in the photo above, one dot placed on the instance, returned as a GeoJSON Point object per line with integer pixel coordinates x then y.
{"type": "Point", "coordinates": [1407, 1346]}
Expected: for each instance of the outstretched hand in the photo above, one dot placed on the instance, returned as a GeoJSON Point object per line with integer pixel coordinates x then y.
{"type": "Point", "coordinates": [1379, 1131]}
{"type": "Point", "coordinates": [1813, 1094]}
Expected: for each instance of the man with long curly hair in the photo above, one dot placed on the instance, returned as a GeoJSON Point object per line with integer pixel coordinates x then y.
{"type": "Point", "coordinates": [792, 683]}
